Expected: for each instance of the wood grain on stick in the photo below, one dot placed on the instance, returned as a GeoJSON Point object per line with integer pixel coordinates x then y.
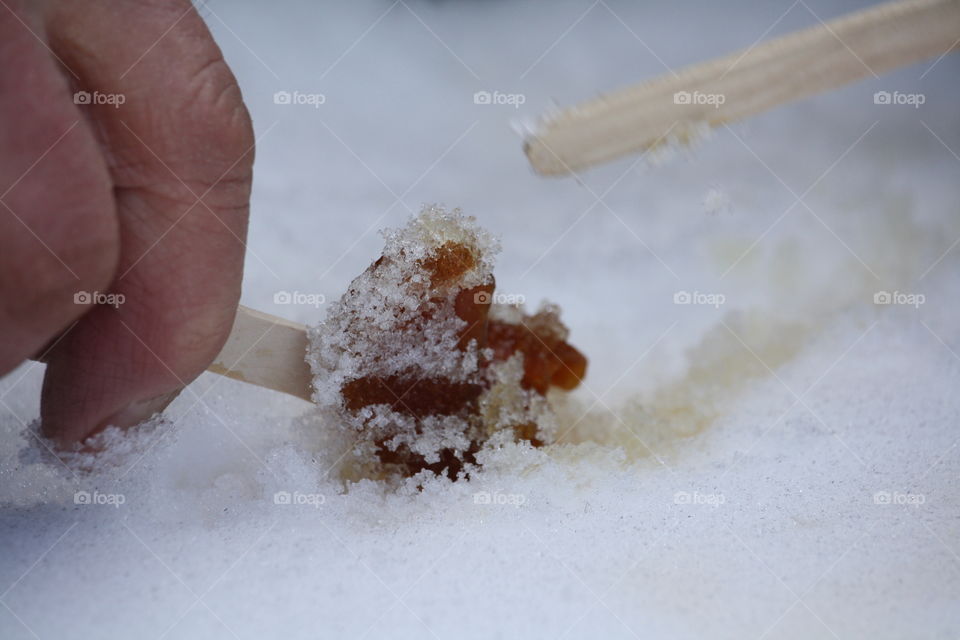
{"type": "Point", "coordinates": [267, 351]}
{"type": "Point", "coordinates": [801, 64]}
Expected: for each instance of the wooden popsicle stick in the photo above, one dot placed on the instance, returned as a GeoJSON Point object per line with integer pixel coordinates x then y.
{"type": "Point", "coordinates": [788, 68]}
{"type": "Point", "coordinates": [267, 351]}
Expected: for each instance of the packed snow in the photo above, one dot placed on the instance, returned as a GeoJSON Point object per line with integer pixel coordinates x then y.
{"type": "Point", "coordinates": [766, 442]}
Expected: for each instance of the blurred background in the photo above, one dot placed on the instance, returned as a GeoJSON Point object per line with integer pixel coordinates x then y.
{"type": "Point", "coordinates": [393, 124]}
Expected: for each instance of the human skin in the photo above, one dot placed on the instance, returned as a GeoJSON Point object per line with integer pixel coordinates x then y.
{"type": "Point", "coordinates": [147, 200]}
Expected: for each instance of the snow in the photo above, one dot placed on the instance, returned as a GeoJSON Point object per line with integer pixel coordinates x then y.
{"type": "Point", "coordinates": [772, 455]}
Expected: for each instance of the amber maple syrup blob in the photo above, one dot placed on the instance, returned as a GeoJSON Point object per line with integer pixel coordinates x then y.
{"type": "Point", "coordinates": [417, 364]}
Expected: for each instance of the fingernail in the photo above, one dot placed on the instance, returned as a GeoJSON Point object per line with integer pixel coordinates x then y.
{"type": "Point", "coordinates": [137, 412]}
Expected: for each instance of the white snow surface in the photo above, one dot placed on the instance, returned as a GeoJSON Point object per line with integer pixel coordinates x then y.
{"type": "Point", "coordinates": [777, 458]}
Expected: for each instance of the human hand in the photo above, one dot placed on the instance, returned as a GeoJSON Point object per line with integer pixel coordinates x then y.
{"type": "Point", "coordinates": [139, 193]}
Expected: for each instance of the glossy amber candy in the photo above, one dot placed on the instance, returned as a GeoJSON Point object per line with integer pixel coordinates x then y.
{"type": "Point", "coordinates": [548, 360]}
{"type": "Point", "coordinates": [415, 392]}
{"type": "Point", "coordinates": [411, 394]}
{"type": "Point", "coordinates": [448, 262]}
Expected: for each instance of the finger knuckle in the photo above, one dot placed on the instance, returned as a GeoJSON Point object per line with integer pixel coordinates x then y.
{"type": "Point", "coordinates": [222, 125]}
